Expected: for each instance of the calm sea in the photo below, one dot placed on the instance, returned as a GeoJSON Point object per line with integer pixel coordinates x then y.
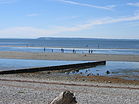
{"type": "Point", "coordinates": [81, 45]}
{"type": "Point", "coordinates": [73, 43]}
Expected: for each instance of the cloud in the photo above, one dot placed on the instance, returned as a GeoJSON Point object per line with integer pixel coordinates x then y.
{"type": "Point", "coordinates": [110, 7]}
{"type": "Point", "coordinates": [36, 32]}
{"type": "Point", "coordinates": [25, 31]}
{"type": "Point", "coordinates": [33, 14]}
{"type": "Point", "coordinates": [133, 4]}
{"type": "Point", "coordinates": [99, 22]}
{"type": "Point", "coordinates": [7, 1]}
{"type": "Point", "coordinates": [19, 32]}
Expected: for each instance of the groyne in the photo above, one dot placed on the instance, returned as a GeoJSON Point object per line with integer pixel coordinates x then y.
{"type": "Point", "coordinates": [52, 68]}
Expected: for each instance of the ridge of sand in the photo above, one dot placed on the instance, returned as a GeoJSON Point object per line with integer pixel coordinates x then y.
{"type": "Point", "coordinates": [68, 56]}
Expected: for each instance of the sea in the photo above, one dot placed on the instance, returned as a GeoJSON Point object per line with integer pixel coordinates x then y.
{"type": "Point", "coordinates": [126, 70]}
{"type": "Point", "coordinates": [74, 43]}
{"type": "Point", "coordinates": [80, 45]}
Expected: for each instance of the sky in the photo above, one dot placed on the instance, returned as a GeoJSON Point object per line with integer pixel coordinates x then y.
{"type": "Point", "coordinates": [116, 19]}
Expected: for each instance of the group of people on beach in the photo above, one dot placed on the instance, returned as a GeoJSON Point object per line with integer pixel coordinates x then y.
{"type": "Point", "coordinates": [90, 51]}
{"type": "Point", "coordinates": [73, 51]}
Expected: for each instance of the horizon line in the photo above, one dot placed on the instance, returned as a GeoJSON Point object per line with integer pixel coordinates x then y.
{"type": "Point", "coordinates": [76, 38]}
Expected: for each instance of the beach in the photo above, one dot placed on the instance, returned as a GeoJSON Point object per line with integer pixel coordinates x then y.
{"type": "Point", "coordinates": [69, 52]}
{"type": "Point", "coordinates": [43, 87]}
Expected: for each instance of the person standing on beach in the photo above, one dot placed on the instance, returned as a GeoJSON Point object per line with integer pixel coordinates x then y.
{"type": "Point", "coordinates": [74, 51]}
{"type": "Point", "coordinates": [91, 51]}
{"type": "Point", "coordinates": [62, 50]}
{"type": "Point", "coordinates": [44, 49]}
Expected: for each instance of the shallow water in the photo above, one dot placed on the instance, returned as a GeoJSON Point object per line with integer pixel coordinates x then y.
{"type": "Point", "coordinates": [70, 50]}
{"type": "Point", "coordinates": [127, 70]}
{"type": "Point", "coordinates": [9, 64]}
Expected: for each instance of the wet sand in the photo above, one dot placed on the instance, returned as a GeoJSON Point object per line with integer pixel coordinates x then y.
{"type": "Point", "coordinates": [68, 56]}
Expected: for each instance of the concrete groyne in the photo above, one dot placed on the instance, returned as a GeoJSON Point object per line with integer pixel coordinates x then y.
{"type": "Point", "coordinates": [52, 68]}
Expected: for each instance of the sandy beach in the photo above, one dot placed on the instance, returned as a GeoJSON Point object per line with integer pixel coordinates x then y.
{"type": "Point", "coordinates": [68, 56]}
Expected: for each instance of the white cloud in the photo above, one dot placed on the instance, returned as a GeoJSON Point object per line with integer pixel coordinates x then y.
{"type": "Point", "coordinates": [26, 32]}
{"type": "Point", "coordinates": [36, 32]}
{"type": "Point", "coordinates": [99, 22]}
{"type": "Point", "coordinates": [7, 1]}
{"type": "Point", "coordinates": [110, 7]}
{"type": "Point", "coordinates": [133, 4]}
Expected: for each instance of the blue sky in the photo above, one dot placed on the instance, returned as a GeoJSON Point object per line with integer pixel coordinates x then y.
{"type": "Point", "coordinates": [69, 18]}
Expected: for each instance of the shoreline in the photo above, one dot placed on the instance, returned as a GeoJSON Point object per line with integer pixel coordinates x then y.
{"type": "Point", "coordinates": [61, 78]}
{"type": "Point", "coordinates": [57, 76]}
